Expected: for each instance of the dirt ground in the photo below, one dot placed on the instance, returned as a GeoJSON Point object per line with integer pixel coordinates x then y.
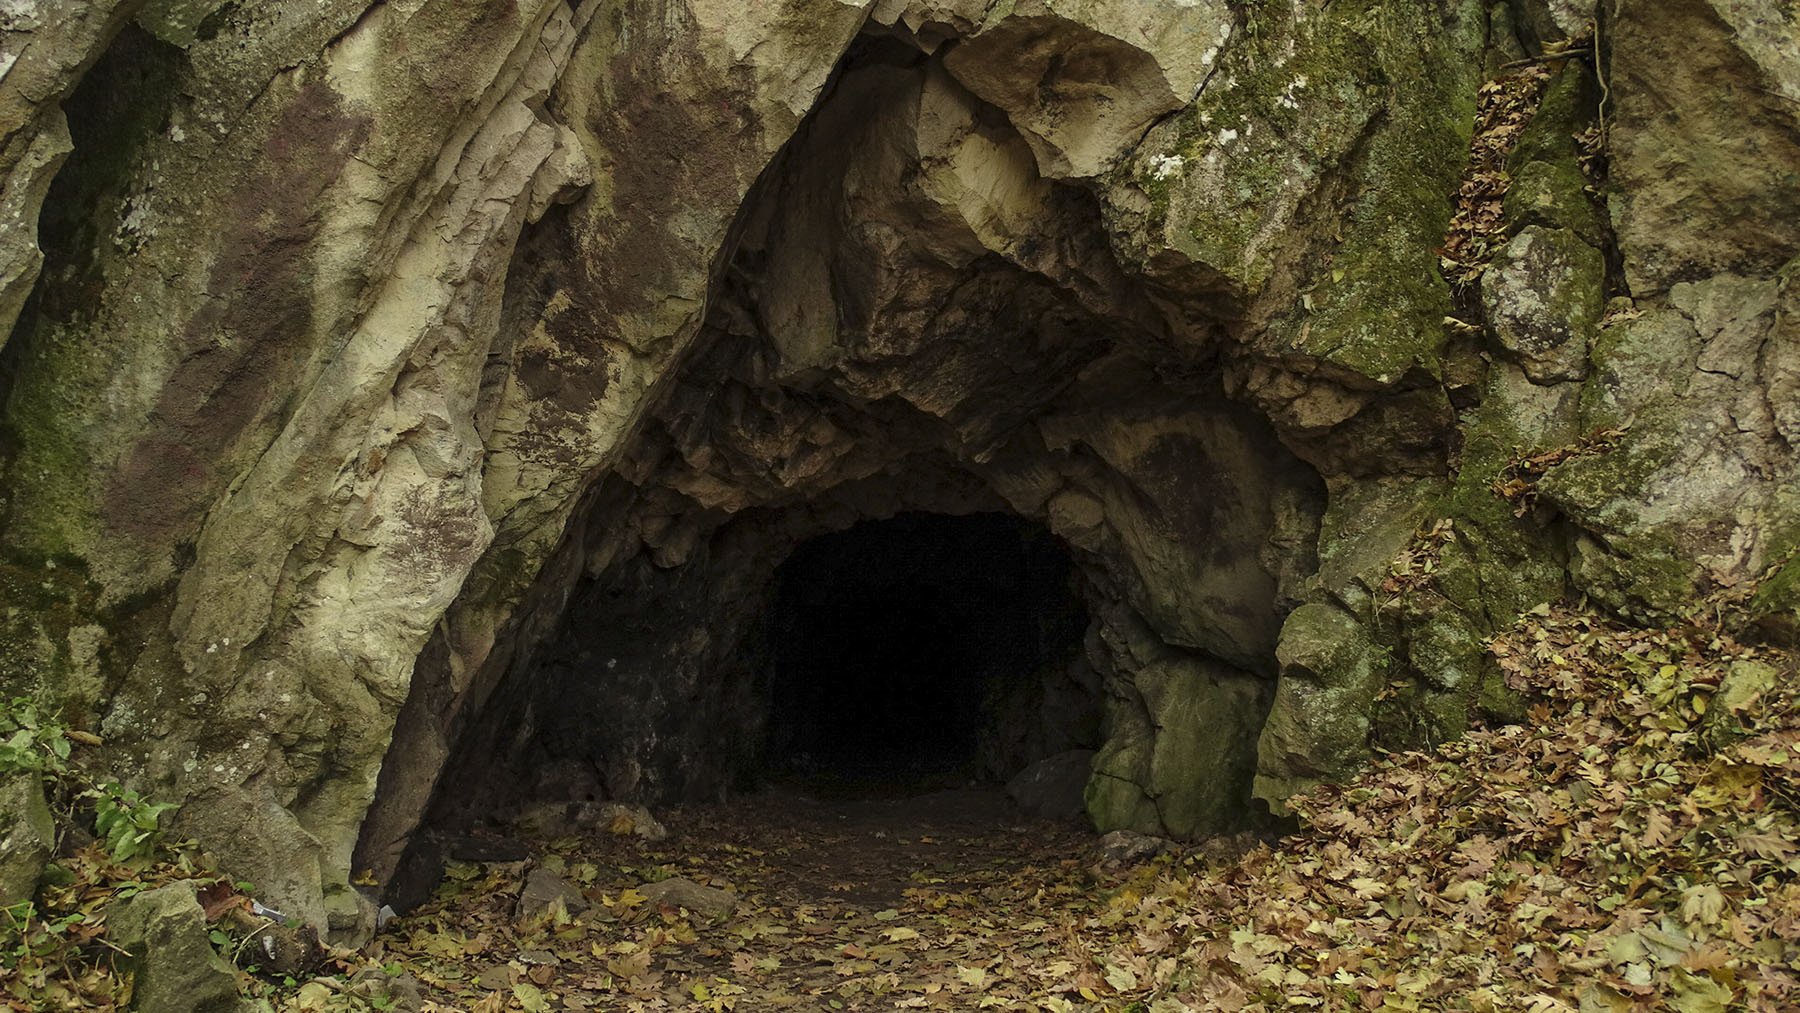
{"type": "Point", "coordinates": [947, 900]}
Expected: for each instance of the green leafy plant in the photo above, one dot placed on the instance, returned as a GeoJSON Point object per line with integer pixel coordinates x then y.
{"type": "Point", "coordinates": [31, 740]}
{"type": "Point", "coordinates": [129, 825]}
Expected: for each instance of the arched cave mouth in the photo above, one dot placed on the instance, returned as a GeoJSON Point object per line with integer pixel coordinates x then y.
{"type": "Point", "coordinates": [925, 649]}
{"type": "Point", "coordinates": [937, 490]}
{"type": "Point", "coordinates": [863, 656]}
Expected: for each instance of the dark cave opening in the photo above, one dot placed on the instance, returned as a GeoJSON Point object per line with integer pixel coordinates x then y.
{"type": "Point", "coordinates": [922, 649]}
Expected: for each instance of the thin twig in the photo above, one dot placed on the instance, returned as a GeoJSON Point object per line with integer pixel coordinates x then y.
{"type": "Point", "coordinates": [1532, 61]}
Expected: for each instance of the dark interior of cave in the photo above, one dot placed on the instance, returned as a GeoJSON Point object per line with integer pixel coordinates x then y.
{"type": "Point", "coordinates": [920, 649]}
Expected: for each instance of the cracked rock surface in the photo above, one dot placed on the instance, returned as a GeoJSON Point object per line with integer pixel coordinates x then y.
{"type": "Point", "coordinates": [372, 370]}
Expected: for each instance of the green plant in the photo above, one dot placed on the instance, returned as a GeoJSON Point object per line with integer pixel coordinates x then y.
{"type": "Point", "coordinates": [30, 740]}
{"type": "Point", "coordinates": [129, 825]}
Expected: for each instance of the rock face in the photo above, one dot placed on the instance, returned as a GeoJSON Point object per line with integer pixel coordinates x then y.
{"type": "Point", "coordinates": [402, 379]}
{"type": "Point", "coordinates": [27, 835]}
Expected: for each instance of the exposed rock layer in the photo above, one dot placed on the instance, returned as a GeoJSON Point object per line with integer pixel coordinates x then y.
{"type": "Point", "coordinates": [370, 338]}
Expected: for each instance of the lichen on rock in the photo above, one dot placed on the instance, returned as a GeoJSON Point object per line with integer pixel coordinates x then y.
{"type": "Point", "coordinates": [412, 389]}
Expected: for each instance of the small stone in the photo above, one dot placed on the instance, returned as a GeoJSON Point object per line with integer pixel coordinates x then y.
{"type": "Point", "coordinates": [174, 966]}
{"type": "Point", "coordinates": [1127, 847]}
{"type": "Point", "coordinates": [27, 834]}
{"type": "Point", "coordinates": [1744, 684]}
{"type": "Point", "coordinates": [681, 892]}
{"type": "Point", "coordinates": [397, 993]}
{"type": "Point", "coordinates": [618, 818]}
{"type": "Point", "coordinates": [544, 891]}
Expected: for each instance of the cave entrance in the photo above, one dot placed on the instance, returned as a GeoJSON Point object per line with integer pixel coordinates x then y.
{"type": "Point", "coordinates": [924, 650]}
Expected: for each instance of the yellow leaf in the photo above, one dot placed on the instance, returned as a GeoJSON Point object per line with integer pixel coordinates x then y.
{"type": "Point", "coordinates": [1121, 978]}
{"type": "Point", "coordinates": [1702, 904]}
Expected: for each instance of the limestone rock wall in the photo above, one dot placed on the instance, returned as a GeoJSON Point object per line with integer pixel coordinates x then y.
{"type": "Point", "coordinates": [368, 335]}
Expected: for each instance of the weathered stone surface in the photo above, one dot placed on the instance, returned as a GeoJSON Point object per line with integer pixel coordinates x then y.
{"type": "Point", "coordinates": [1128, 847]}
{"type": "Point", "coordinates": [27, 835]}
{"type": "Point", "coordinates": [681, 892]}
{"type": "Point", "coordinates": [1705, 139]}
{"type": "Point", "coordinates": [173, 964]}
{"type": "Point", "coordinates": [1543, 295]}
{"type": "Point", "coordinates": [547, 894]}
{"type": "Point", "coordinates": [383, 349]}
{"type": "Point", "coordinates": [44, 49]}
{"type": "Point", "coordinates": [1319, 724]}
{"type": "Point", "coordinates": [1546, 21]}
{"type": "Point", "coordinates": [1052, 787]}
{"type": "Point", "coordinates": [1700, 486]}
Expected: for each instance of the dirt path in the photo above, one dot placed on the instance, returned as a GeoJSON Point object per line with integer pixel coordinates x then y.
{"type": "Point", "coordinates": [947, 901]}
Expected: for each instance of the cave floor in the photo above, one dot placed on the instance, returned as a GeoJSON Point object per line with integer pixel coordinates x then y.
{"type": "Point", "coordinates": [1634, 846]}
{"type": "Point", "coordinates": [948, 900]}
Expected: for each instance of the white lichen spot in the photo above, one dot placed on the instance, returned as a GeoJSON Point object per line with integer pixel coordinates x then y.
{"type": "Point", "coordinates": [1227, 135]}
{"type": "Point", "coordinates": [1290, 97]}
{"type": "Point", "coordinates": [1164, 166]}
{"type": "Point", "coordinates": [177, 134]}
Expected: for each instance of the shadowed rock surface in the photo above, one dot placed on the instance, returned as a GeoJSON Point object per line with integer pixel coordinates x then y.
{"type": "Point", "coordinates": [417, 409]}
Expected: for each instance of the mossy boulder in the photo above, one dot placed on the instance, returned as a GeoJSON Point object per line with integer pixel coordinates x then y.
{"type": "Point", "coordinates": [173, 964]}
{"type": "Point", "coordinates": [1318, 727]}
{"type": "Point", "coordinates": [1188, 768]}
{"type": "Point", "coordinates": [1543, 295]}
{"type": "Point", "coordinates": [27, 835]}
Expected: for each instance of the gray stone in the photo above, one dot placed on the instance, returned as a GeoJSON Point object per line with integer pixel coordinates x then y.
{"type": "Point", "coordinates": [1128, 847]}
{"type": "Point", "coordinates": [684, 893]}
{"type": "Point", "coordinates": [173, 964]}
{"type": "Point", "coordinates": [1554, 20]}
{"type": "Point", "coordinates": [1053, 788]}
{"type": "Point", "coordinates": [1704, 139]}
{"type": "Point", "coordinates": [1318, 728]}
{"type": "Point", "coordinates": [618, 818]}
{"type": "Point", "coordinates": [543, 893]}
{"type": "Point", "coordinates": [1543, 295]}
{"type": "Point", "coordinates": [27, 835]}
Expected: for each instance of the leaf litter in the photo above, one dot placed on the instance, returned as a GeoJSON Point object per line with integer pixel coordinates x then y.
{"type": "Point", "coordinates": [1633, 846]}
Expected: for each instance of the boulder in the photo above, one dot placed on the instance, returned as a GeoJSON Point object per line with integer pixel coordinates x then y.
{"type": "Point", "coordinates": [174, 966]}
{"type": "Point", "coordinates": [1052, 788]}
{"type": "Point", "coordinates": [27, 835]}
{"type": "Point", "coordinates": [1704, 141]}
{"type": "Point", "coordinates": [1543, 295]}
{"type": "Point", "coordinates": [544, 892]}
{"type": "Point", "coordinates": [1318, 728]}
